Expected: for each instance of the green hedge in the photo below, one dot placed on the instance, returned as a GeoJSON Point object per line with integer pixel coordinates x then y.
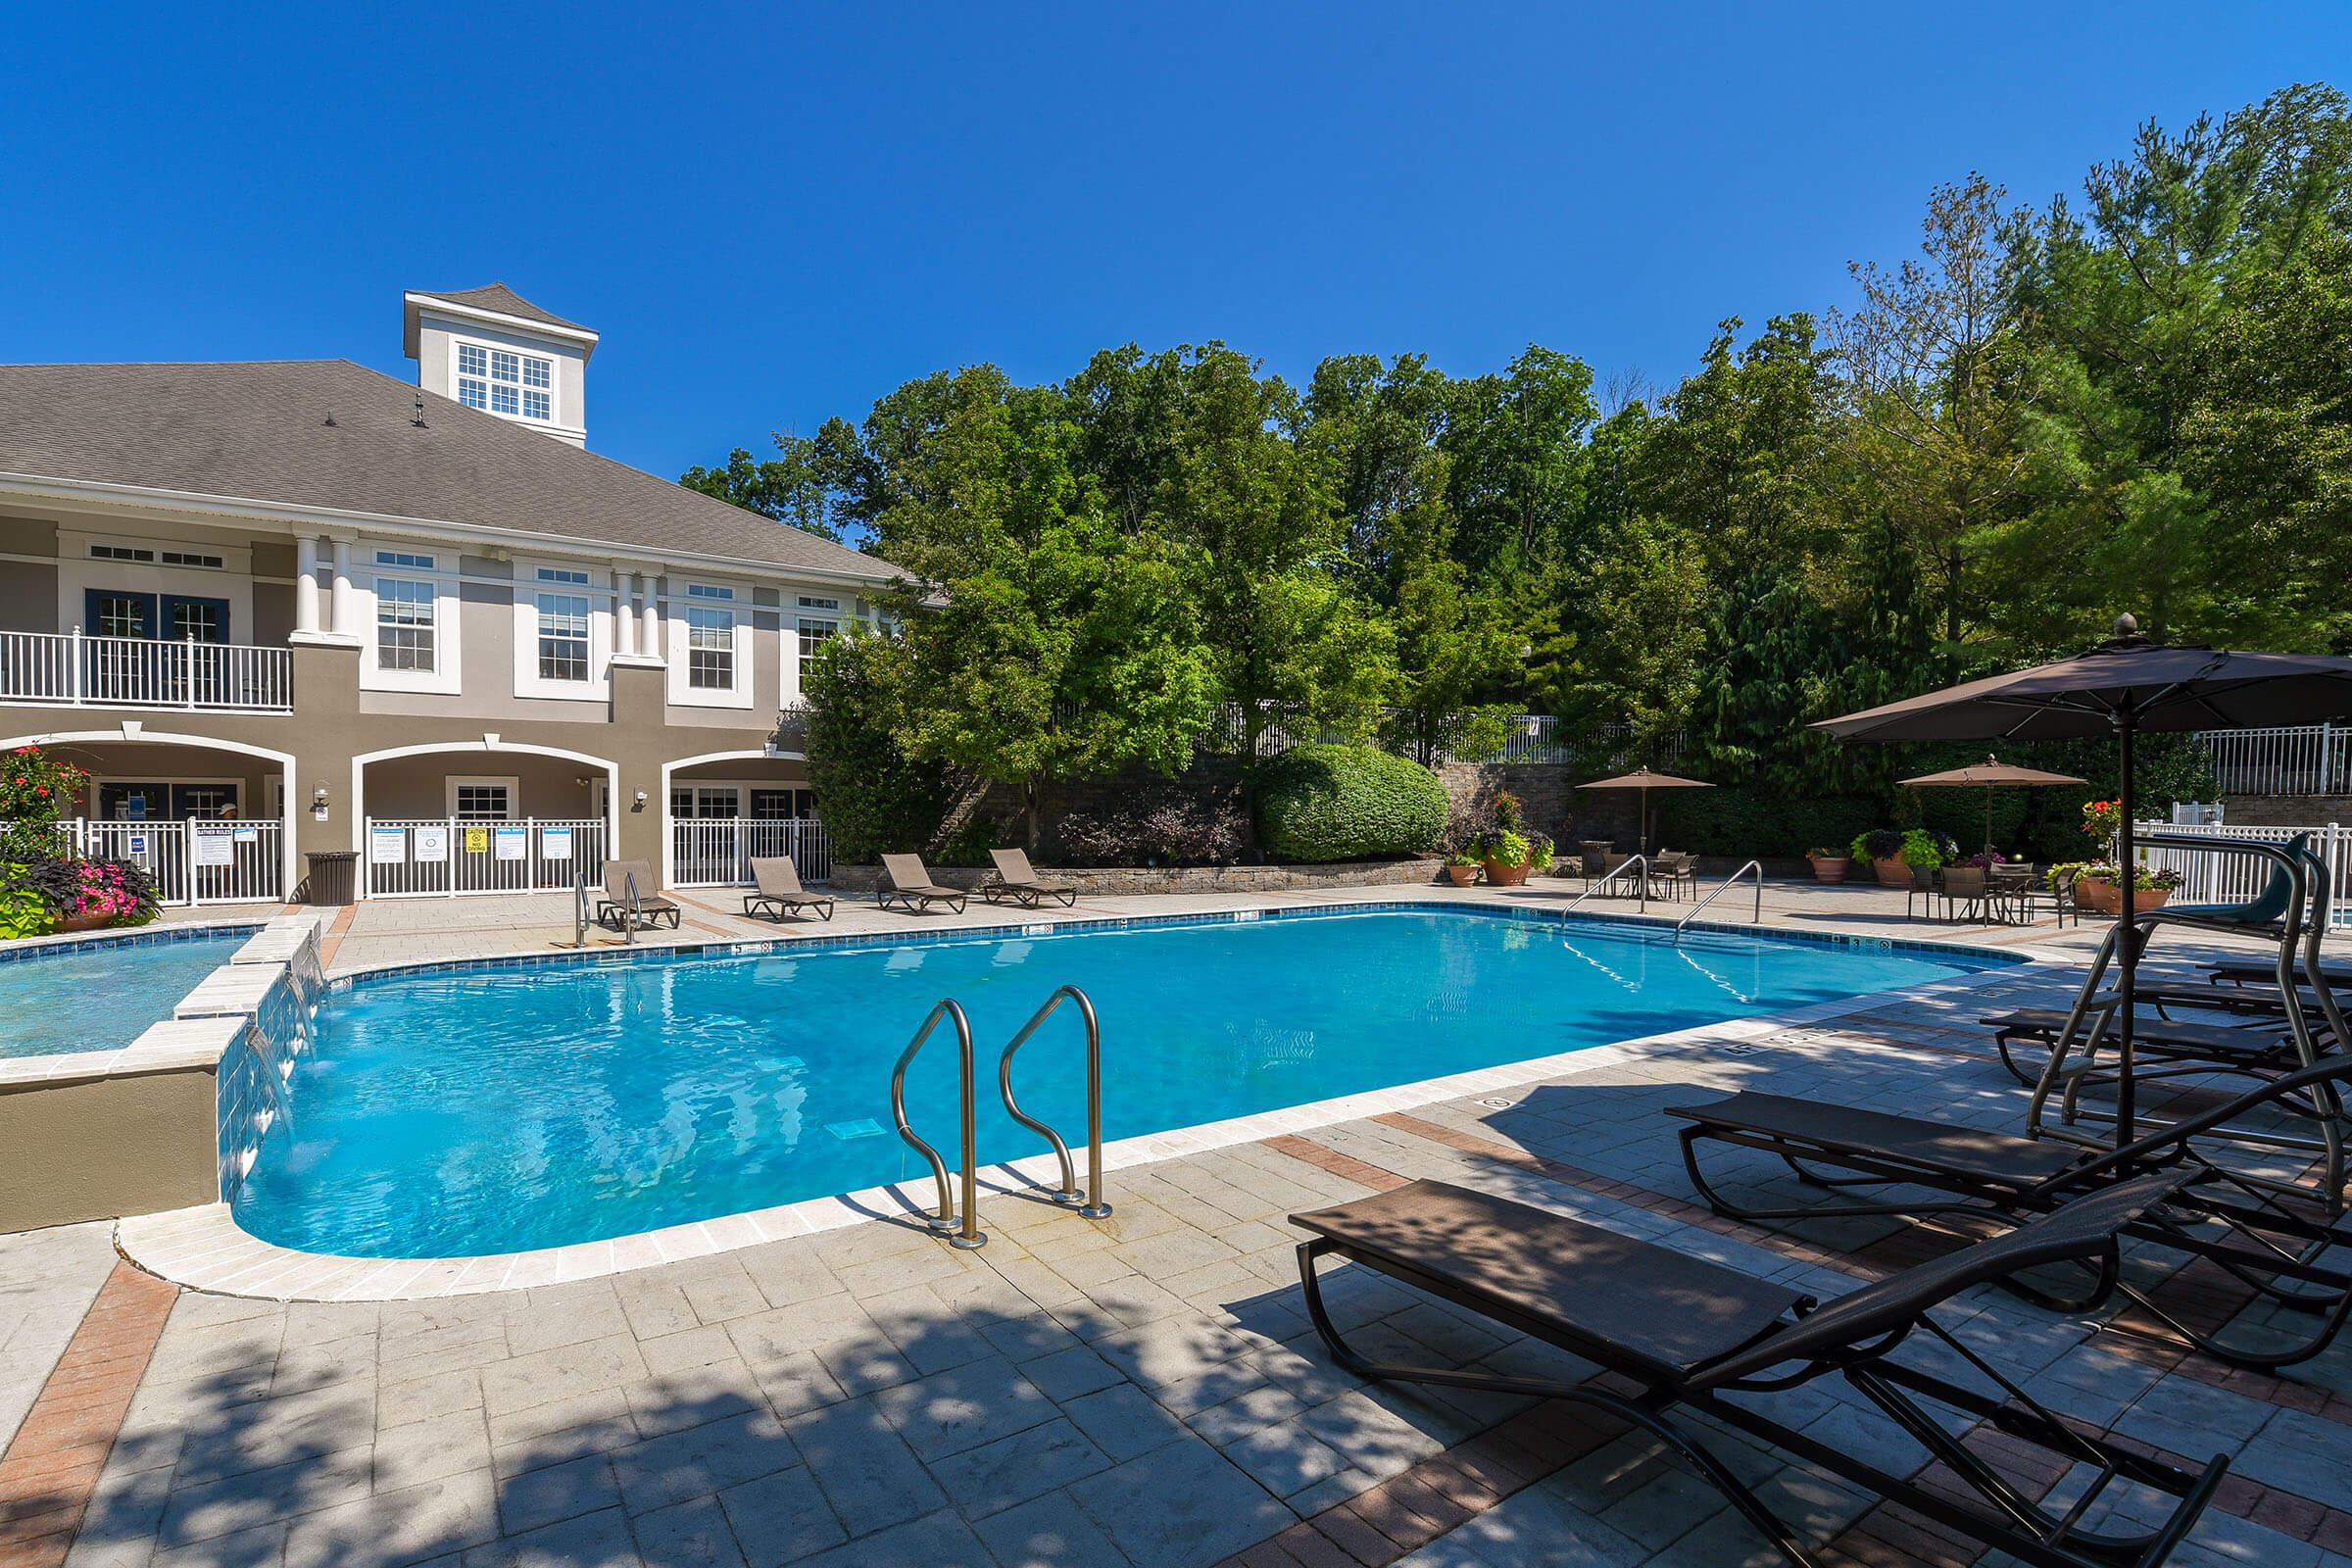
{"type": "Point", "coordinates": [1347, 802]}
{"type": "Point", "coordinates": [1746, 819]}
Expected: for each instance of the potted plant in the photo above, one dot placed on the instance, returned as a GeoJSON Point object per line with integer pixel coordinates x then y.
{"type": "Point", "coordinates": [2098, 888]}
{"type": "Point", "coordinates": [1882, 847]}
{"type": "Point", "coordinates": [1830, 866]}
{"type": "Point", "coordinates": [2101, 819]}
{"type": "Point", "coordinates": [1462, 869]}
{"type": "Point", "coordinates": [1509, 855]}
{"type": "Point", "coordinates": [1507, 852]}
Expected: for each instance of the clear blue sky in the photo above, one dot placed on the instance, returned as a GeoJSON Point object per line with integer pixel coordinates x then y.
{"type": "Point", "coordinates": [777, 214]}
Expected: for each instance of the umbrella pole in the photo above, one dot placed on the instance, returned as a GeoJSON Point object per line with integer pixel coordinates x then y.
{"type": "Point", "coordinates": [2127, 875]}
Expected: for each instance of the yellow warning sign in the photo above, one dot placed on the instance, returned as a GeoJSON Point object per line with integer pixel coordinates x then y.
{"type": "Point", "coordinates": [477, 841]}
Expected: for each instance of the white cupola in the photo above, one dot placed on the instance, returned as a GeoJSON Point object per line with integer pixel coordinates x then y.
{"type": "Point", "coordinates": [493, 350]}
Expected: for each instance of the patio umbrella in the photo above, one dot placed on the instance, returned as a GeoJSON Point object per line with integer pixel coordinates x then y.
{"type": "Point", "coordinates": [1643, 779]}
{"type": "Point", "coordinates": [1989, 776]}
{"type": "Point", "coordinates": [2125, 686]}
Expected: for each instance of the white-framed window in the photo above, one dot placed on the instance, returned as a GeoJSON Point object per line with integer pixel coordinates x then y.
{"type": "Point", "coordinates": [406, 613]}
{"type": "Point", "coordinates": [505, 381]}
{"type": "Point", "coordinates": [412, 601]}
{"type": "Point", "coordinates": [710, 657]}
{"type": "Point", "coordinates": [481, 798]}
{"type": "Point", "coordinates": [563, 630]}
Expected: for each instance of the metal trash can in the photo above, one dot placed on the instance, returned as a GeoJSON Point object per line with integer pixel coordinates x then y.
{"type": "Point", "coordinates": [334, 876]}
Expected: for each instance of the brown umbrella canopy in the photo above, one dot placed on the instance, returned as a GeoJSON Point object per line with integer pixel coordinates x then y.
{"type": "Point", "coordinates": [1643, 779]}
{"type": "Point", "coordinates": [2123, 686]}
{"type": "Point", "coordinates": [1989, 776]}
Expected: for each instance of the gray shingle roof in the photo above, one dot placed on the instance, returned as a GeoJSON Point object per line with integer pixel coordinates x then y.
{"type": "Point", "coordinates": [258, 431]}
{"type": "Point", "coordinates": [502, 299]}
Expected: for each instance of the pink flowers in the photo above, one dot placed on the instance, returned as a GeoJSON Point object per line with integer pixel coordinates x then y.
{"type": "Point", "coordinates": [103, 890]}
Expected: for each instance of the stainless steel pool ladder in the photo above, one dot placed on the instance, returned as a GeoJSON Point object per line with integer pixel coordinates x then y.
{"type": "Point", "coordinates": [1089, 1203]}
{"type": "Point", "coordinates": [1724, 886]}
{"type": "Point", "coordinates": [964, 1233]}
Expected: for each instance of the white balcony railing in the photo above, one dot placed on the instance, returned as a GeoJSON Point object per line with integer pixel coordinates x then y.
{"type": "Point", "coordinates": [72, 670]}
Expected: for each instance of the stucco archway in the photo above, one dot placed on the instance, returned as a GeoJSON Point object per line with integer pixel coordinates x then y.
{"type": "Point", "coordinates": [134, 734]}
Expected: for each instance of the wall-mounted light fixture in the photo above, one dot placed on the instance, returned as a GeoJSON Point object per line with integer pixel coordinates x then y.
{"type": "Point", "coordinates": [638, 804]}
{"type": "Point", "coordinates": [318, 803]}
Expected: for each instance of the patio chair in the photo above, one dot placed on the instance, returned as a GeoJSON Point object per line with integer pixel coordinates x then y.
{"type": "Point", "coordinates": [1674, 874]}
{"type": "Point", "coordinates": [912, 886]}
{"type": "Point", "coordinates": [2273, 1248]}
{"type": "Point", "coordinates": [1971, 888]}
{"type": "Point", "coordinates": [1680, 1334]}
{"type": "Point", "coordinates": [779, 890]}
{"type": "Point", "coordinates": [1019, 882]}
{"type": "Point", "coordinates": [1922, 888]}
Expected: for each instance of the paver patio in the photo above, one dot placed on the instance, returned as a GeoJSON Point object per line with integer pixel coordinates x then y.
{"type": "Point", "coordinates": [1143, 1391]}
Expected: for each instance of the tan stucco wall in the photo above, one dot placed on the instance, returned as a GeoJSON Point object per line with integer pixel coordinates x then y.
{"type": "Point", "coordinates": [106, 1148]}
{"type": "Point", "coordinates": [418, 786]}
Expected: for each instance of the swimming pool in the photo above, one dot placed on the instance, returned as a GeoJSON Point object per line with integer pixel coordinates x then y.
{"type": "Point", "coordinates": [497, 1108]}
{"type": "Point", "coordinates": [99, 995]}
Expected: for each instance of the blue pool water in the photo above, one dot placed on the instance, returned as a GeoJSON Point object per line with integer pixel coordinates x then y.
{"type": "Point", "coordinates": [493, 1110]}
{"type": "Point", "coordinates": [98, 996]}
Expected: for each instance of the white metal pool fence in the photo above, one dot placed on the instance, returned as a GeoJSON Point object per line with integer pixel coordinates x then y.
{"type": "Point", "coordinates": [449, 857]}
{"type": "Point", "coordinates": [198, 860]}
{"type": "Point", "coordinates": [1526, 738]}
{"type": "Point", "coordinates": [2207, 877]}
{"type": "Point", "coordinates": [2289, 759]}
{"type": "Point", "coordinates": [716, 851]}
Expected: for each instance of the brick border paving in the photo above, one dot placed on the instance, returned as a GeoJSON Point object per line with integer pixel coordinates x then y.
{"type": "Point", "coordinates": [51, 1468]}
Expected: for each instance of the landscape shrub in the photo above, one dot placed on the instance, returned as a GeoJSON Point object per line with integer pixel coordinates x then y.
{"type": "Point", "coordinates": [1184, 821]}
{"type": "Point", "coordinates": [1348, 802]}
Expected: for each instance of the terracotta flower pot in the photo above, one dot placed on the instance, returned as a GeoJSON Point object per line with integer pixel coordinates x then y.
{"type": "Point", "coordinates": [2103, 897]}
{"type": "Point", "coordinates": [1830, 867]}
{"type": "Point", "coordinates": [1500, 875]}
{"type": "Point", "coordinates": [1894, 871]}
{"type": "Point", "coordinates": [73, 923]}
{"type": "Point", "coordinates": [1461, 876]}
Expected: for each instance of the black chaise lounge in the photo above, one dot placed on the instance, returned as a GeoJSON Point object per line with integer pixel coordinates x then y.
{"type": "Point", "coordinates": [634, 896]}
{"type": "Point", "coordinates": [2249, 972]}
{"type": "Point", "coordinates": [2255, 1043]}
{"type": "Point", "coordinates": [779, 891]}
{"type": "Point", "coordinates": [1018, 881]}
{"type": "Point", "coordinates": [1690, 1333]}
{"type": "Point", "coordinates": [2274, 1246]}
{"type": "Point", "coordinates": [911, 885]}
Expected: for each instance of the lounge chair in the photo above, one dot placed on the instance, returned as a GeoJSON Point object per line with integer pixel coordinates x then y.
{"type": "Point", "coordinates": [912, 886]}
{"type": "Point", "coordinates": [1018, 881]}
{"type": "Point", "coordinates": [778, 881]}
{"type": "Point", "coordinates": [1684, 1333]}
{"type": "Point", "coordinates": [651, 906]}
{"type": "Point", "coordinates": [2265, 974]}
{"type": "Point", "coordinates": [2274, 1249]}
{"type": "Point", "coordinates": [2239, 1046]}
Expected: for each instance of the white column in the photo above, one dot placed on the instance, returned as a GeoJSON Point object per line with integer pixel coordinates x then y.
{"type": "Point", "coordinates": [306, 585]}
{"type": "Point", "coordinates": [650, 643]}
{"type": "Point", "coordinates": [344, 609]}
{"type": "Point", "coordinates": [624, 613]}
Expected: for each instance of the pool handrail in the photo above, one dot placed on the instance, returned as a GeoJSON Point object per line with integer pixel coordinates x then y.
{"type": "Point", "coordinates": [1611, 875]}
{"type": "Point", "coordinates": [1089, 1203]}
{"type": "Point", "coordinates": [967, 1234]}
{"type": "Point", "coordinates": [1723, 887]}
